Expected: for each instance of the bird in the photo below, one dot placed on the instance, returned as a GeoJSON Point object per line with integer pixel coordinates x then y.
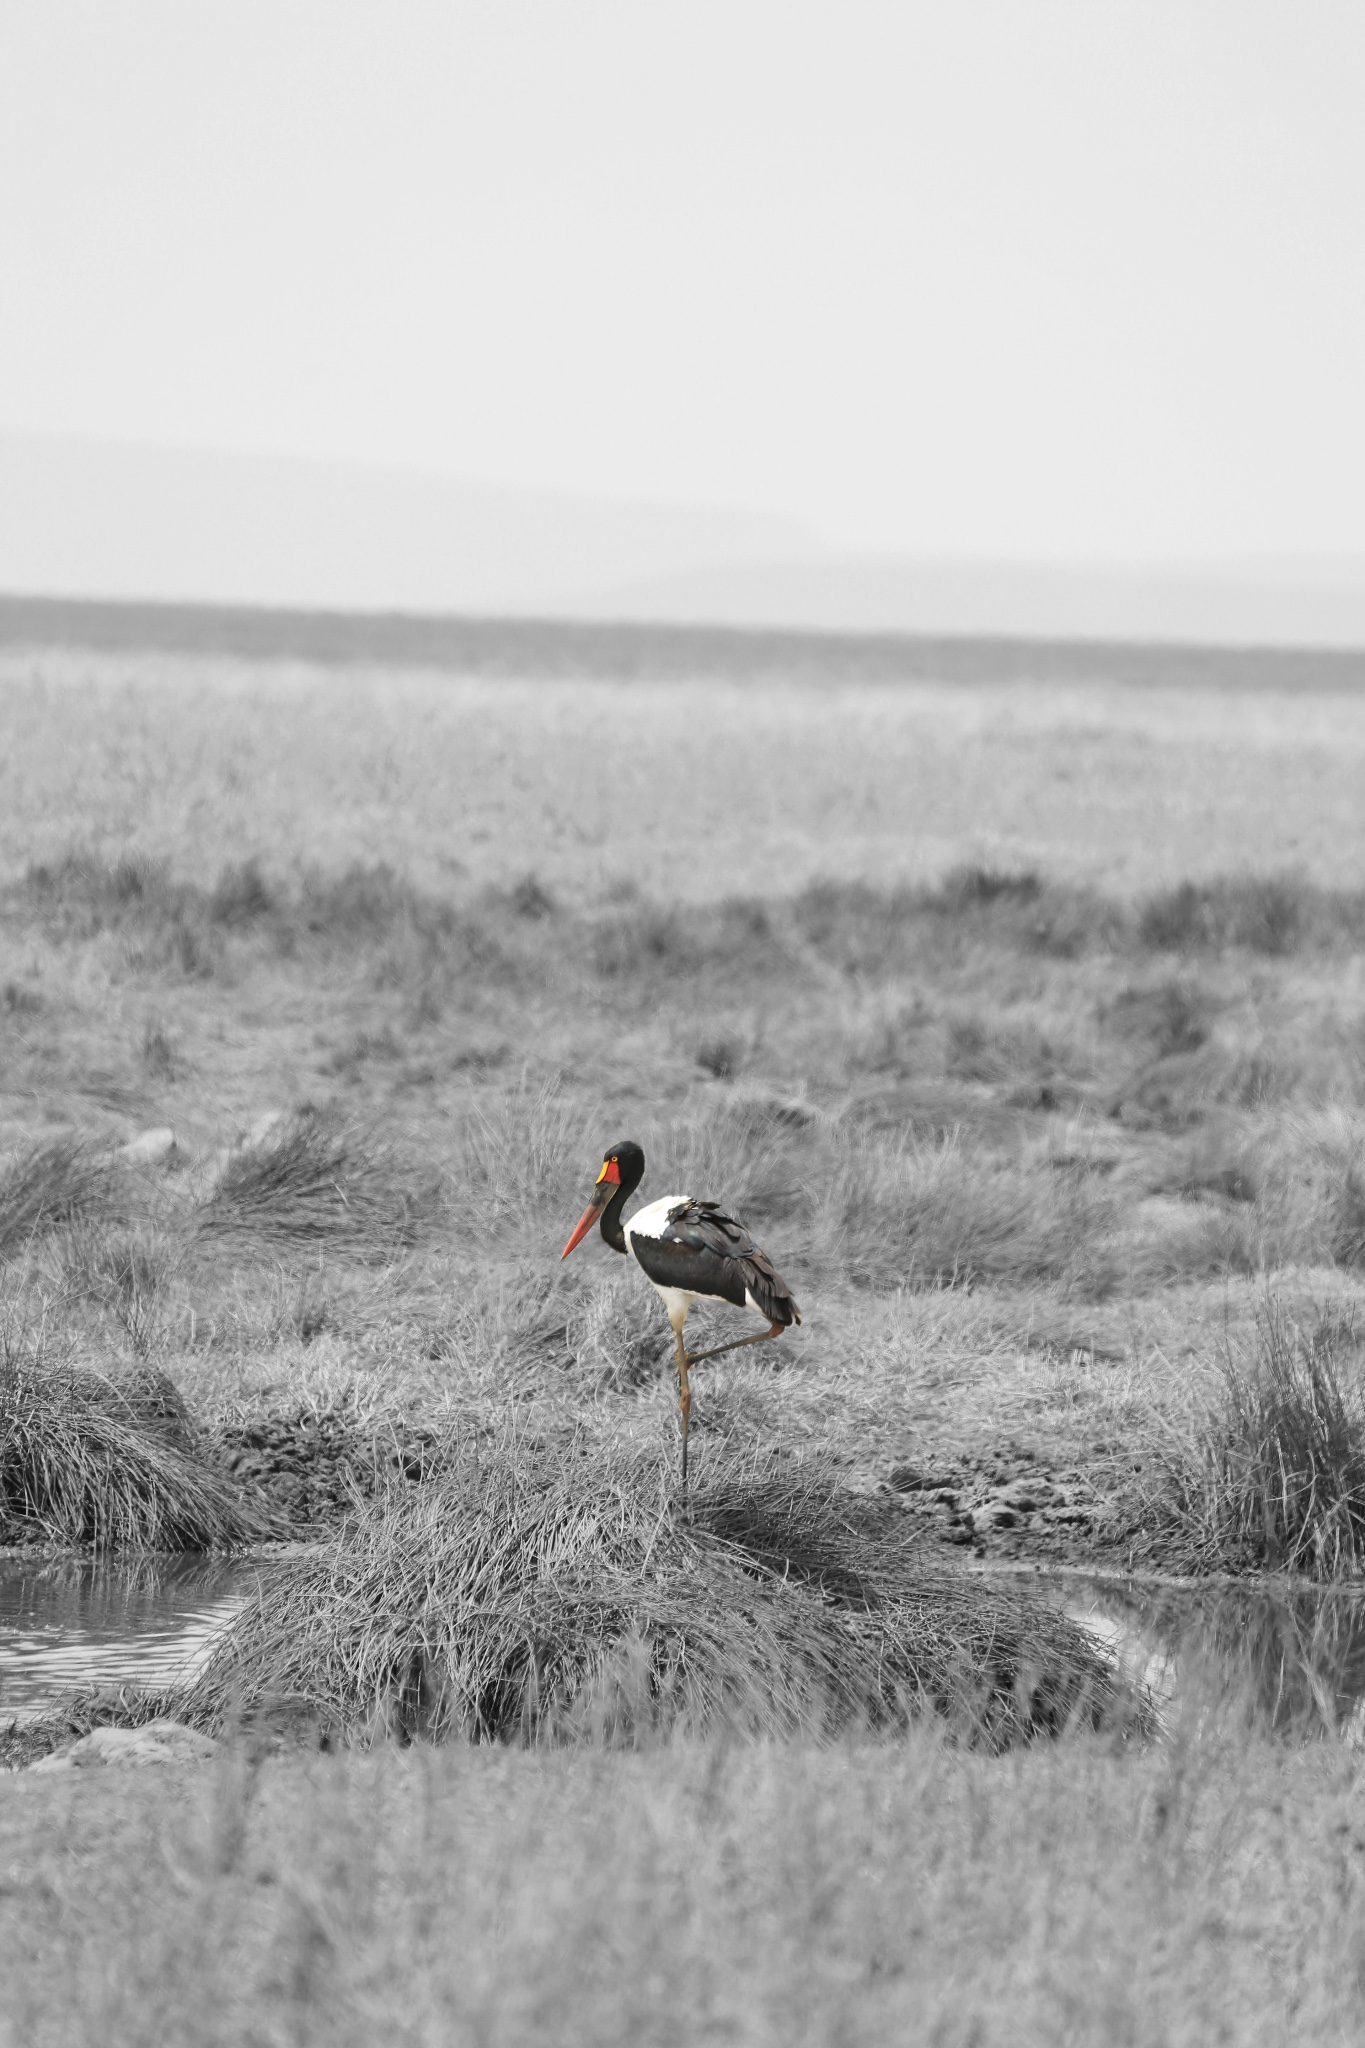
{"type": "Point", "coordinates": [691, 1251]}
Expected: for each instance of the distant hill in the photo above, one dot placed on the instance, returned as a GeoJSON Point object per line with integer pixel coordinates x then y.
{"type": "Point", "coordinates": [92, 519]}
{"type": "Point", "coordinates": [86, 519]}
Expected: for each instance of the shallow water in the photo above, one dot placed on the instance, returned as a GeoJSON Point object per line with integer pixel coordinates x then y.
{"type": "Point", "coordinates": [1291, 1657]}
{"type": "Point", "coordinates": [71, 1623]}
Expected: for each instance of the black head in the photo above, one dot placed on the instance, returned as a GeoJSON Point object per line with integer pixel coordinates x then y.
{"type": "Point", "coordinates": [623, 1168]}
{"type": "Point", "coordinates": [629, 1162]}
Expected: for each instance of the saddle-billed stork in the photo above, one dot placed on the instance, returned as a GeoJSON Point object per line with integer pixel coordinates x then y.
{"type": "Point", "coordinates": [692, 1251]}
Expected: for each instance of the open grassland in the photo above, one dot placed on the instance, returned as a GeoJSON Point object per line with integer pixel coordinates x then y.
{"type": "Point", "coordinates": [1026, 1029]}
{"type": "Point", "coordinates": [690, 790]}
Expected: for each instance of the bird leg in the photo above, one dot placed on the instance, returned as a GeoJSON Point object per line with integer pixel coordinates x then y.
{"type": "Point", "coordinates": [687, 1359]}
{"type": "Point", "coordinates": [684, 1395]}
{"type": "Point", "coordinates": [696, 1357]}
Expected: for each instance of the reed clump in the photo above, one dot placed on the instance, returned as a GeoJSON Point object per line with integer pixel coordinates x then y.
{"type": "Point", "coordinates": [106, 1461]}
{"type": "Point", "coordinates": [1278, 1479]}
{"type": "Point", "coordinates": [530, 1596]}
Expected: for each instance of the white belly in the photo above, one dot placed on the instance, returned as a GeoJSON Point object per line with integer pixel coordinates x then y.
{"type": "Point", "coordinates": [677, 1302]}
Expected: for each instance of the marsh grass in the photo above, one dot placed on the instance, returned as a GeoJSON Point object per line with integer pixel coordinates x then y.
{"type": "Point", "coordinates": [163, 923]}
{"type": "Point", "coordinates": [533, 1597]}
{"type": "Point", "coordinates": [742, 939]}
{"type": "Point", "coordinates": [958, 1214]}
{"type": "Point", "coordinates": [617, 1336]}
{"type": "Point", "coordinates": [106, 1460]}
{"type": "Point", "coordinates": [1277, 1482]}
{"type": "Point", "coordinates": [997, 1085]}
{"type": "Point", "coordinates": [864, 928]}
{"type": "Point", "coordinates": [316, 1179]}
{"type": "Point", "coordinates": [1278, 1191]}
{"type": "Point", "coordinates": [519, 1159]}
{"type": "Point", "coordinates": [500, 933]}
{"type": "Point", "coordinates": [47, 1186]}
{"type": "Point", "coordinates": [1273, 915]}
{"type": "Point", "coordinates": [168, 925]}
{"type": "Point", "coordinates": [123, 1271]}
{"type": "Point", "coordinates": [891, 1208]}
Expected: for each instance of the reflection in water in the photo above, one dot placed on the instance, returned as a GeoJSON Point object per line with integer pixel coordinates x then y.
{"type": "Point", "coordinates": [1293, 1655]}
{"type": "Point", "coordinates": [78, 1622]}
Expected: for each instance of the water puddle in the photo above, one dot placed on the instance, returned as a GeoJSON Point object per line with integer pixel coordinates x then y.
{"type": "Point", "coordinates": [79, 1622]}
{"type": "Point", "coordinates": [1293, 1655]}
{"type": "Point", "coordinates": [1296, 1656]}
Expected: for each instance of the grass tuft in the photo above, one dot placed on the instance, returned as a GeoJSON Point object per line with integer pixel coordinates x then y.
{"type": "Point", "coordinates": [869, 931]}
{"type": "Point", "coordinates": [163, 922]}
{"type": "Point", "coordinates": [1347, 1234]}
{"type": "Point", "coordinates": [1274, 915]}
{"type": "Point", "coordinates": [971, 888]}
{"type": "Point", "coordinates": [48, 1186]}
{"type": "Point", "coordinates": [616, 1334]}
{"type": "Point", "coordinates": [362, 903]}
{"type": "Point", "coordinates": [529, 1596]}
{"type": "Point", "coordinates": [316, 1178]}
{"type": "Point", "coordinates": [1278, 1192]}
{"type": "Point", "coordinates": [530, 898]}
{"type": "Point", "coordinates": [158, 1053]}
{"type": "Point", "coordinates": [123, 1272]}
{"type": "Point", "coordinates": [107, 1461]}
{"type": "Point", "coordinates": [1279, 1483]}
{"type": "Point", "coordinates": [241, 895]}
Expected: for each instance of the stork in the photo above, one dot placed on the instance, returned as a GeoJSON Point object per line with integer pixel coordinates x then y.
{"type": "Point", "coordinates": [691, 1251]}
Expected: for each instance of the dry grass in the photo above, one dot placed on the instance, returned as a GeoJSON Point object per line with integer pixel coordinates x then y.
{"type": "Point", "coordinates": [205, 762]}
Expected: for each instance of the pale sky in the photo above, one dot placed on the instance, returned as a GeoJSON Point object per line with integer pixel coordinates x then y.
{"type": "Point", "coordinates": [1071, 281]}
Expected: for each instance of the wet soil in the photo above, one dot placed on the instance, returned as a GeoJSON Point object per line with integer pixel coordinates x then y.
{"type": "Point", "coordinates": [1009, 1507]}
{"type": "Point", "coordinates": [309, 1469]}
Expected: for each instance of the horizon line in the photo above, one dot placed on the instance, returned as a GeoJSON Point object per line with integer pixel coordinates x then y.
{"type": "Point", "coordinates": [478, 641]}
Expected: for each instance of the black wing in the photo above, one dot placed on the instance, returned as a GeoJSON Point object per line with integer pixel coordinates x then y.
{"type": "Point", "coordinates": [707, 1252]}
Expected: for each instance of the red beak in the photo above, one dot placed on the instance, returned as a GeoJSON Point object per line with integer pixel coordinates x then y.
{"type": "Point", "coordinates": [586, 1221]}
{"type": "Point", "coordinates": [608, 1181]}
